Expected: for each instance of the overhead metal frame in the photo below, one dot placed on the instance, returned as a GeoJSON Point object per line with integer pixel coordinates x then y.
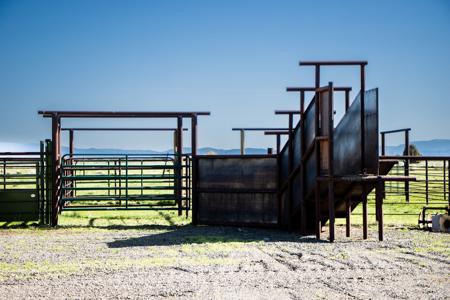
{"type": "Point", "coordinates": [57, 117]}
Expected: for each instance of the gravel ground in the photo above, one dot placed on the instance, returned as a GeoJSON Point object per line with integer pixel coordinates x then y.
{"type": "Point", "coordinates": [220, 263]}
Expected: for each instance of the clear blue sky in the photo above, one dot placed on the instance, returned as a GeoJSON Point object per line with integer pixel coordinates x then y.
{"type": "Point", "coordinates": [234, 58]}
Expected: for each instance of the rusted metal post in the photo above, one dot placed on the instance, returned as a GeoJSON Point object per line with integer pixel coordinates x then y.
{"type": "Point", "coordinates": [379, 205]}
{"type": "Point", "coordinates": [331, 208]}
{"type": "Point", "coordinates": [348, 212]}
{"type": "Point", "coordinates": [175, 135]}
{"type": "Point", "coordinates": [445, 185]}
{"type": "Point", "coordinates": [179, 164]}
{"type": "Point", "coordinates": [317, 154]}
{"type": "Point", "coordinates": [242, 141]}
{"type": "Point", "coordinates": [302, 166]}
{"type": "Point", "coordinates": [278, 143]}
{"type": "Point", "coordinates": [448, 181]}
{"type": "Point", "coordinates": [330, 130]}
{"type": "Point", "coordinates": [71, 172]}
{"type": "Point", "coordinates": [71, 145]}
{"type": "Point", "coordinates": [363, 119]}
{"type": "Point", "coordinates": [56, 144]}
{"type": "Point", "coordinates": [347, 100]}
{"type": "Point", "coordinates": [290, 168]}
{"type": "Point", "coordinates": [317, 210]}
{"type": "Point", "coordinates": [364, 214]}
{"type": "Point", "coordinates": [407, 164]}
{"type": "Point", "coordinates": [194, 170]}
{"type": "Point", "coordinates": [426, 182]}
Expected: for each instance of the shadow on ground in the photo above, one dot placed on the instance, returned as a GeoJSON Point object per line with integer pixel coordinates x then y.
{"type": "Point", "coordinates": [188, 234]}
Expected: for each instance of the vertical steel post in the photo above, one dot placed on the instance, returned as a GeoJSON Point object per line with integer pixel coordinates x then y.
{"type": "Point", "coordinates": [120, 181]}
{"type": "Point", "coordinates": [242, 141]}
{"type": "Point", "coordinates": [383, 144]}
{"type": "Point", "coordinates": [56, 143]}
{"type": "Point", "coordinates": [330, 130]}
{"type": "Point", "coordinates": [71, 145]}
{"type": "Point", "coordinates": [363, 119]}
{"type": "Point", "coordinates": [426, 182]}
{"type": "Point", "coordinates": [142, 177]}
{"type": "Point", "coordinates": [379, 206]}
{"type": "Point", "coordinates": [194, 170]}
{"type": "Point", "coordinates": [364, 215]}
{"type": "Point", "coordinates": [407, 164]}
{"type": "Point", "coordinates": [445, 186]}
{"type": "Point", "coordinates": [278, 143]}
{"type": "Point", "coordinates": [317, 154]}
{"type": "Point", "coordinates": [175, 134]}
{"type": "Point", "coordinates": [347, 100]}
{"type": "Point", "coordinates": [49, 180]}
{"type": "Point", "coordinates": [42, 197]}
{"type": "Point", "coordinates": [290, 169]}
{"type": "Point", "coordinates": [126, 181]}
{"type": "Point", "coordinates": [179, 164]}
{"type": "Point", "coordinates": [109, 179]}
{"type": "Point", "coordinates": [448, 181]}
{"type": "Point", "coordinates": [348, 212]}
{"type": "Point", "coordinates": [302, 166]}
{"type": "Point", "coordinates": [4, 174]}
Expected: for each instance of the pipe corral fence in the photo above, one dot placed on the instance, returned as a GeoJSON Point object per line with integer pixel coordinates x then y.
{"type": "Point", "coordinates": [325, 170]}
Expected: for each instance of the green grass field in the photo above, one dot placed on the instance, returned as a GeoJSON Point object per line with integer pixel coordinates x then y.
{"type": "Point", "coordinates": [396, 210]}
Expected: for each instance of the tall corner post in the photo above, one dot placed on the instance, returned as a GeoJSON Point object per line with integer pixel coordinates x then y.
{"type": "Point", "coordinates": [379, 206]}
{"type": "Point", "coordinates": [290, 168]}
{"type": "Point", "coordinates": [302, 167]}
{"type": "Point", "coordinates": [363, 119]}
{"type": "Point", "coordinates": [407, 164]}
{"type": "Point", "coordinates": [56, 170]}
{"type": "Point", "coordinates": [194, 169]}
{"type": "Point", "coordinates": [71, 153]}
{"type": "Point", "coordinates": [179, 160]}
{"type": "Point", "coordinates": [318, 216]}
{"type": "Point", "coordinates": [330, 129]}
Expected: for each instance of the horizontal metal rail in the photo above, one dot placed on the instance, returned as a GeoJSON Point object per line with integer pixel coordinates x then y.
{"type": "Point", "coordinates": [122, 181]}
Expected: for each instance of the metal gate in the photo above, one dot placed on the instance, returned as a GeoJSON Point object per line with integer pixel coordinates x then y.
{"type": "Point", "coordinates": [24, 188]}
{"type": "Point", "coordinates": [125, 182]}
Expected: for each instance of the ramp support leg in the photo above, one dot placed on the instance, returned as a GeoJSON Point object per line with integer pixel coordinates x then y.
{"type": "Point", "coordinates": [318, 221]}
{"type": "Point", "coordinates": [364, 214]}
{"type": "Point", "coordinates": [379, 205]}
{"type": "Point", "coordinates": [331, 208]}
{"type": "Point", "coordinates": [348, 212]}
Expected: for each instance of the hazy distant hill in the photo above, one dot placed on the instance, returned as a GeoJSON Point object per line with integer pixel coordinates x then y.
{"type": "Point", "coordinates": [432, 147]}
{"type": "Point", "coordinates": [438, 147]}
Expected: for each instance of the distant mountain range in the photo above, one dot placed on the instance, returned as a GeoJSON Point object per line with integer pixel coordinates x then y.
{"type": "Point", "coordinates": [438, 147]}
{"type": "Point", "coordinates": [435, 147]}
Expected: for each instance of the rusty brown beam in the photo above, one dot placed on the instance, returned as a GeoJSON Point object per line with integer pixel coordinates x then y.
{"type": "Point", "coordinates": [122, 114]}
{"type": "Point", "coordinates": [287, 112]}
{"type": "Point", "coordinates": [118, 129]}
{"type": "Point", "coordinates": [313, 89]}
{"type": "Point", "coordinates": [334, 63]}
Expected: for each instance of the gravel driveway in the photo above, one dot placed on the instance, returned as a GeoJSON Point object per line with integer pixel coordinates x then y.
{"type": "Point", "coordinates": [220, 263]}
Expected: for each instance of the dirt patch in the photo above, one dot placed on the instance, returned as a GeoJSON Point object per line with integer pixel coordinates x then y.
{"type": "Point", "coordinates": [218, 262]}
